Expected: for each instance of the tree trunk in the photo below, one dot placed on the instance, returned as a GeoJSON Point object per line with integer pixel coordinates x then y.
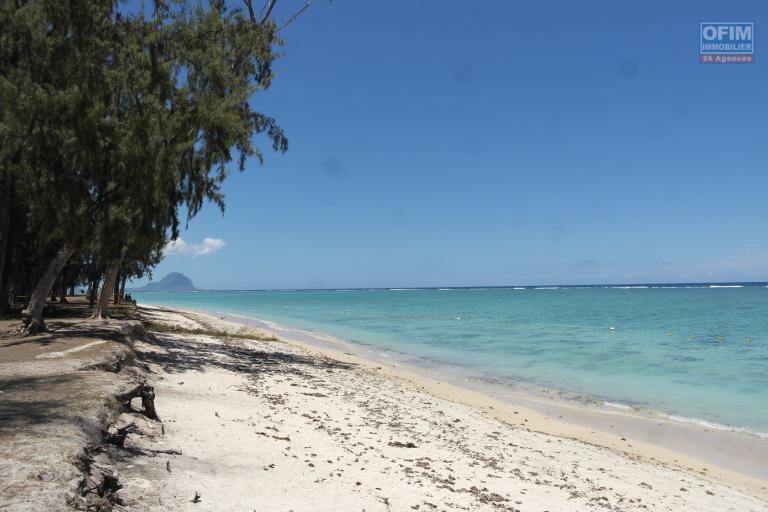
{"type": "Point", "coordinates": [65, 277]}
{"type": "Point", "coordinates": [122, 286]}
{"type": "Point", "coordinates": [116, 291]}
{"type": "Point", "coordinates": [60, 288]}
{"type": "Point", "coordinates": [106, 291]}
{"type": "Point", "coordinates": [92, 290]}
{"type": "Point", "coordinates": [33, 314]}
{"type": "Point", "coordinates": [5, 232]}
{"type": "Point", "coordinates": [56, 287]}
{"type": "Point", "coordinates": [5, 291]}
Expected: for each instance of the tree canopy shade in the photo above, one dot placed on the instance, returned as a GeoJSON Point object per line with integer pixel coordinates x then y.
{"type": "Point", "coordinates": [112, 122]}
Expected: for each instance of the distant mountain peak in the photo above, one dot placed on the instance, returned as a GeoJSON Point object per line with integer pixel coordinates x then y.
{"type": "Point", "coordinates": [173, 282]}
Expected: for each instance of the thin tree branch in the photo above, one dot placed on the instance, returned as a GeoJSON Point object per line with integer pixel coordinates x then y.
{"type": "Point", "coordinates": [293, 18]}
{"type": "Point", "coordinates": [272, 4]}
{"type": "Point", "coordinates": [249, 6]}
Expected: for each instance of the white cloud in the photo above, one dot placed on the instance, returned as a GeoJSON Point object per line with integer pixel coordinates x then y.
{"type": "Point", "coordinates": [179, 247]}
{"type": "Point", "coordinates": [209, 246]}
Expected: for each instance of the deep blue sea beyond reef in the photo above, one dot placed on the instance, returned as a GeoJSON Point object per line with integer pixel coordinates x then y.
{"type": "Point", "coordinates": [696, 352]}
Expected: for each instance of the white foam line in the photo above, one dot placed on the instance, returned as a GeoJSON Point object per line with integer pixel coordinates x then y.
{"type": "Point", "coordinates": [51, 355]}
{"type": "Point", "coordinates": [617, 405]}
{"type": "Point", "coordinates": [716, 426]}
{"type": "Point", "coordinates": [619, 409]}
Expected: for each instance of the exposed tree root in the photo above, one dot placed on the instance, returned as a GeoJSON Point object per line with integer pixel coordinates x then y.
{"type": "Point", "coordinates": [98, 488]}
{"type": "Point", "coordinates": [113, 363]}
{"type": "Point", "coordinates": [117, 437]}
{"type": "Point", "coordinates": [147, 395]}
{"type": "Point", "coordinates": [31, 326]}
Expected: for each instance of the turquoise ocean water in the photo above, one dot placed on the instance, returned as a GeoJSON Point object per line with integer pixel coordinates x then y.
{"type": "Point", "coordinates": [696, 352]}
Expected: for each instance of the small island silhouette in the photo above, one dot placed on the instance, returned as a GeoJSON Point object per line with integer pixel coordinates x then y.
{"type": "Point", "coordinates": [173, 282]}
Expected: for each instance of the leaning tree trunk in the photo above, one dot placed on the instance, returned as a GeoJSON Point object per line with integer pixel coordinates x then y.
{"type": "Point", "coordinates": [5, 233]}
{"type": "Point", "coordinates": [33, 314]}
{"type": "Point", "coordinates": [106, 291]}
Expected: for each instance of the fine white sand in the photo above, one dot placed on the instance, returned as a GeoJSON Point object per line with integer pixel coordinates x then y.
{"type": "Point", "coordinates": [279, 426]}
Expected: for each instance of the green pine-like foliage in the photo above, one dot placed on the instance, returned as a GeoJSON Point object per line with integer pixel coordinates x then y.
{"type": "Point", "coordinates": [118, 127]}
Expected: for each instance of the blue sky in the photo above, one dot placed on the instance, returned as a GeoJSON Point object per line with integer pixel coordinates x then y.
{"type": "Point", "coordinates": [437, 143]}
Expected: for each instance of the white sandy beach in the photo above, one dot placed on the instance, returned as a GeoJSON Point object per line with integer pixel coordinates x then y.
{"type": "Point", "coordinates": [276, 425]}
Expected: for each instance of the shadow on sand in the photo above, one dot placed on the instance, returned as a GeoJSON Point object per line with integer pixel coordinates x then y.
{"type": "Point", "coordinates": [27, 401]}
{"type": "Point", "coordinates": [234, 355]}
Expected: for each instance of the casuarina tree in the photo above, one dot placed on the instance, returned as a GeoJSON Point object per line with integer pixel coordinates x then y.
{"type": "Point", "coordinates": [116, 122]}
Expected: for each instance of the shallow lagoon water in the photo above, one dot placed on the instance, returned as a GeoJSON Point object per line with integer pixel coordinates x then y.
{"type": "Point", "coordinates": [694, 352]}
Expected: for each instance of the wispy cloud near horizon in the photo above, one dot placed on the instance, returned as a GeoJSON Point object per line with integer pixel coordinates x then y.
{"type": "Point", "coordinates": [179, 247]}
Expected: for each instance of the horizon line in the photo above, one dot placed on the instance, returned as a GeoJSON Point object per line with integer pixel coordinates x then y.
{"type": "Point", "coordinates": [469, 287]}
